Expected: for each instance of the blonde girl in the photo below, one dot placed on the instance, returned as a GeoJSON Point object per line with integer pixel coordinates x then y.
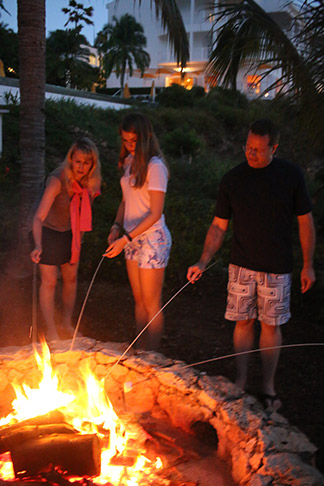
{"type": "Point", "coordinates": [63, 214]}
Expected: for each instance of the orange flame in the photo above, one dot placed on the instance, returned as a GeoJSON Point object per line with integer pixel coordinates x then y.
{"type": "Point", "coordinates": [89, 410]}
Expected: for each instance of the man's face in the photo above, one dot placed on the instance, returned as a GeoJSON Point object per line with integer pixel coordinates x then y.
{"type": "Point", "coordinates": [258, 152]}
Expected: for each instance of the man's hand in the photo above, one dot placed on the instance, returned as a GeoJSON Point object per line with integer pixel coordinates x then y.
{"type": "Point", "coordinates": [195, 272]}
{"type": "Point", "coordinates": [307, 278]}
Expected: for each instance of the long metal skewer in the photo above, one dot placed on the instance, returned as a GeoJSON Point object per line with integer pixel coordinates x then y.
{"type": "Point", "coordinates": [233, 355]}
{"type": "Point", "coordinates": [33, 329]}
{"type": "Point", "coordinates": [84, 302]}
{"type": "Point", "coordinates": [147, 325]}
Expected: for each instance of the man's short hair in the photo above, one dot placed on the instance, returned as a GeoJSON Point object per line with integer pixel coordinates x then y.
{"type": "Point", "coordinates": [265, 126]}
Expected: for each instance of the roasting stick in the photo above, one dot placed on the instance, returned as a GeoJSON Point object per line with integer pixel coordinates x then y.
{"type": "Point", "coordinates": [233, 355]}
{"type": "Point", "coordinates": [84, 302]}
{"type": "Point", "coordinates": [33, 333]}
{"type": "Point", "coordinates": [218, 358]}
{"type": "Point", "coordinates": [147, 325]}
{"type": "Point", "coordinates": [33, 328]}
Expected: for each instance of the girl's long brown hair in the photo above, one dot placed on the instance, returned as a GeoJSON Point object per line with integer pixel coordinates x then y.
{"type": "Point", "coordinates": [93, 179]}
{"type": "Point", "coordinates": [147, 146]}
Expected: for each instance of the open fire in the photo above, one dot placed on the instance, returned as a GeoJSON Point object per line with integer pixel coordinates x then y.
{"type": "Point", "coordinates": [205, 429]}
{"type": "Point", "coordinates": [76, 432]}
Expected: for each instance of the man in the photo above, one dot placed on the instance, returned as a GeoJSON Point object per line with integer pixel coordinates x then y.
{"type": "Point", "coordinates": [261, 195]}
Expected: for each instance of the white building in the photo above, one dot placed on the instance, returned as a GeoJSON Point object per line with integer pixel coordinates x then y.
{"type": "Point", "coordinates": [198, 18]}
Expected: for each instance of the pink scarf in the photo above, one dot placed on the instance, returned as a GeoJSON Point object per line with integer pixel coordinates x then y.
{"type": "Point", "coordinates": [81, 218]}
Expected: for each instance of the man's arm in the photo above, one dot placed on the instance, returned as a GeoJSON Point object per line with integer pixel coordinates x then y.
{"type": "Point", "coordinates": [307, 243]}
{"type": "Point", "coordinates": [214, 239]}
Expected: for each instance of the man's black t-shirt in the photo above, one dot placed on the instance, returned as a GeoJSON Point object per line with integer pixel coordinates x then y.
{"type": "Point", "coordinates": [262, 203]}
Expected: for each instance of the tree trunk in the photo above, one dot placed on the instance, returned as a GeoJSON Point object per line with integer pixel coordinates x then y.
{"type": "Point", "coordinates": [122, 79]}
{"type": "Point", "coordinates": [31, 34]}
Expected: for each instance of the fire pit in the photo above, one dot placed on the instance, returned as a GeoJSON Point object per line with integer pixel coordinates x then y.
{"type": "Point", "coordinates": [168, 424]}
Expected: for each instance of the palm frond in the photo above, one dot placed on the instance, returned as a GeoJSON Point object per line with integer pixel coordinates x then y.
{"type": "Point", "coordinates": [172, 22]}
{"type": "Point", "coordinates": [255, 39]}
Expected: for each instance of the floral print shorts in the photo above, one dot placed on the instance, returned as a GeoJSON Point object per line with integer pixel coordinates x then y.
{"type": "Point", "coordinates": [150, 249]}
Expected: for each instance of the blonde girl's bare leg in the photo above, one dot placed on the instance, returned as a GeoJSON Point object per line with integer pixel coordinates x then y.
{"type": "Point", "coordinates": [69, 288]}
{"type": "Point", "coordinates": [47, 288]}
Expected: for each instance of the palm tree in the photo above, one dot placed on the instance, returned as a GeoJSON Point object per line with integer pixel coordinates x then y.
{"type": "Point", "coordinates": [121, 46]}
{"type": "Point", "coordinates": [31, 34]}
{"type": "Point", "coordinates": [66, 60]}
{"type": "Point", "coordinates": [78, 13]}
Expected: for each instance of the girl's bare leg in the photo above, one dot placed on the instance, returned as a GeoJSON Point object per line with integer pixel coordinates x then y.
{"type": "Point", "coordinates": [147, 286]}
{"type": "Point", "coordinates": [47, 298]}
{"type": "Point", "coordinates": [69, 287]}
{"type": "Point", "coordinates": [140, 311]}
{"type": "Point", "coordinates": [151, 281]}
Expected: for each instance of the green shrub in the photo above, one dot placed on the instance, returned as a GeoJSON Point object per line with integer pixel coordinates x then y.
{"type": "Point", "coordinates": [197, 92]}
{"type": "Point", "coordinates": [182, 142]}
{"type": "Point", "coordinates": [174, 96]}
{"type": "Point", "coordinates": [228, 97]}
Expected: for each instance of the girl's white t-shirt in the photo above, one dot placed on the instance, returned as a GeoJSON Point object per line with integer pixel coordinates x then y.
{"type": "Point", "coordinates": [137, 199]}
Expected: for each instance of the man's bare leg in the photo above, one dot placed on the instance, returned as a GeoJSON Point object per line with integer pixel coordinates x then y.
{"type": "Point", "coordinates": [270, 337]}
{"type": "Point", "coordinates": [243, 339]}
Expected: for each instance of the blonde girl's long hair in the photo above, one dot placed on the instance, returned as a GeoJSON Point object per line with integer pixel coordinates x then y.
{"type": "Point", "coordinates": [93, 179]}
{"type": "Point", "coordinates": [147, 146]}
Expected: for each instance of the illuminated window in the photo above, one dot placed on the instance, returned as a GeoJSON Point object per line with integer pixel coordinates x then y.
{"type": "Point", "coordinates": [92, 60]}
{"type": "Point", "coordinates": [188, 83]}
{"type": "Point", "coordinates": [254, 83]}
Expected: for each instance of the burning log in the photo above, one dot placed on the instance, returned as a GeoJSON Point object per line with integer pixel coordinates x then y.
{"type": "Point", "coordinates": [10, 438]}
{"type": "Point", "coordinates": [79, 455]}
{"type": "Point", "coordinates": [54, 417]}
{"type": "Point", "coordinates": [8, 432]}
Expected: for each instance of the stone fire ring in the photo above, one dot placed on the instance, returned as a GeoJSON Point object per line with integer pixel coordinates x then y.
{"type": "Point", "coordinates": [262, 449]}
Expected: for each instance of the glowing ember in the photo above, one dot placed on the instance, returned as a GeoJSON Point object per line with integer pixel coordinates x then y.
{"type": "Point", "coordinates": [89, 411]}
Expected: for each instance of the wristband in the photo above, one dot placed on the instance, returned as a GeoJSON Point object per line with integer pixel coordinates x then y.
{"type": "Point", "coordinates": [128, 236]}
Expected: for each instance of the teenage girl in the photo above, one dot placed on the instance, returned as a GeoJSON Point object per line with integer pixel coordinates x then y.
{"type": "Point", "coordinates": [63, 214]}
{"type": "Point", "coordinates": [139, 228]}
